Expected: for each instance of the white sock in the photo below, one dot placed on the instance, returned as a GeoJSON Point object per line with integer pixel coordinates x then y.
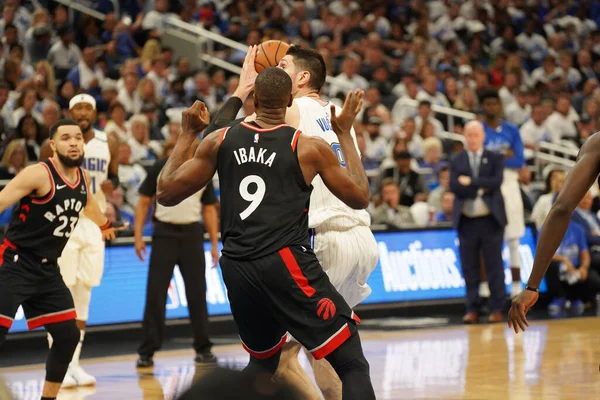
{"type": "Point", "coordinates": [77, 353]}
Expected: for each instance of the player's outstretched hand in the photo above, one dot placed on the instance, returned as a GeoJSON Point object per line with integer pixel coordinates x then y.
{"type": "Point", "coordinates": [342, 123]}
{"type": "Point", "coordinates": [195, 118]}
{"type": "Point", "coordinates": [109, 231]}
{"type": "Point", "coordinates": [518, 310]}
{"type": "Point", "coordinates": [248, 74]}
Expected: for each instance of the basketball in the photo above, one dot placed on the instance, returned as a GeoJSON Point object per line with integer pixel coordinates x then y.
{"type": "Point", "coordinates": [269, 54]}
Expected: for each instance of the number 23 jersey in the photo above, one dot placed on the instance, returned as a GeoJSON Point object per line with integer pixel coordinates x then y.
{"type": "Point", "coordinates": [42, 225]}
{"type": "Point", "coordinates": [264, 196]}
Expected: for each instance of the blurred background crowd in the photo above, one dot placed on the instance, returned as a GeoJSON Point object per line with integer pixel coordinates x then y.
{"type": "Point", "coordinates": [424, 65]}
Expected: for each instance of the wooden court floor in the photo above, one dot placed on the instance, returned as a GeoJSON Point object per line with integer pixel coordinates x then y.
{"type": "Point", "coordinates": [552, 360]}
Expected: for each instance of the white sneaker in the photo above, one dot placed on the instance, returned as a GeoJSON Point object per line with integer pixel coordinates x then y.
{"type": "Point", "coordinates": [82, 377]}
{"type": "Point", "coordinates": [68, 381]}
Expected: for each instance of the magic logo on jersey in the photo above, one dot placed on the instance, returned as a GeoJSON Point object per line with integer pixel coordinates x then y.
{"type": "Point", "coordinates": [97, 167]}
{"type": "Point", "coordinates": [325, 125]}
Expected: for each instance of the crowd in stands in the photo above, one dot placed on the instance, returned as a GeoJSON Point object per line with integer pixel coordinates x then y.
{"type": "Point", "coordinates": [541, 56]}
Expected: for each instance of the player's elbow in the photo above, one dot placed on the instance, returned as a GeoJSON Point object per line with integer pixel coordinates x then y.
{"type": "Point", "coordinates": [360, 201]}
{"type": "Point", "coordinates": [166, 198]}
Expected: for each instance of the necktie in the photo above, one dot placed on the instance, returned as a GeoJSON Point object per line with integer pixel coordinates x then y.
{"type": "Point", "coordinates": [475, 164]}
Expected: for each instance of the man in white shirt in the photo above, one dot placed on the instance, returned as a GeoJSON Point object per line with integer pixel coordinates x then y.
{"type": "Point", "coordinates": [429, 92]}
{"type": "Point", "coordinates": [519, 111]}
{"type": "Point", "coordinates": [425, 114]}
{"type": "Point", "coordinates": [129, 96]}
{"type": "Point", "coordinates": [155, 20]}
{"type": "Point", "coordinates": [543, 73]}
{"type": "Point", "coordinates": [535, 129]}
{"type": "Point", "coordinates": [560, 124]}
{"type": "Point", "coordinates": [64, 54]}
{"type": "Point", "coordinates": [507, 92]}
{"type": "Point", "coordinates": [532, 45]}
{"type": "Point", "coordinates": [402, 109]}
{"type": "Point", "coordinates": [349, 77]}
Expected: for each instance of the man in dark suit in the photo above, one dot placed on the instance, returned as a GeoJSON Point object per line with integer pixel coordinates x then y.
{"type": "Point", "coordinates": [479, 217]}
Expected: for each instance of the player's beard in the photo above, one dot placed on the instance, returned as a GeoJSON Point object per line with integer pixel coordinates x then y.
{"type": "Point", "coordinates": [70, 162]}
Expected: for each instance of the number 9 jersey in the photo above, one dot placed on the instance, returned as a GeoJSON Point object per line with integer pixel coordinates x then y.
{"type": "Point", "coordinates": [42, 225]}
{"type": "Point", "coordinates": [264, 196]}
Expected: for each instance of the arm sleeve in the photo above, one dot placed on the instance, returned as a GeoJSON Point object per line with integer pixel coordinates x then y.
{"type": "Point", "coordinates": [225, 115]}
{"type": "Point", "coordinates": [148, 186]}
{"type": "Point", "coordinates": [209, 197]}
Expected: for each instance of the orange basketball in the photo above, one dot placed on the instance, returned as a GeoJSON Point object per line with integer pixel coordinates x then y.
{"type": "Point", "coordinates": [269, 54]}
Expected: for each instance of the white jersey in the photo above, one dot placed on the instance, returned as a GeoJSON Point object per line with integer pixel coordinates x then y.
{"type": "Point", "coordinates": [326, 211]}
{"type": "Point", "coordinates": [96, 162]}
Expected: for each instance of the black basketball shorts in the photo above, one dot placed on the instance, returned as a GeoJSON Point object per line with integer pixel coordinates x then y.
{"type": "Point", "coordinates": [34, 283]}
{"type": "Point", "coordinates": [287, 291]}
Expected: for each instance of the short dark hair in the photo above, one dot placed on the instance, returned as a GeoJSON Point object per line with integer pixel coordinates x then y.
{"type": "Point", "coordinates": [402, 155]}
{"type": "Point", "coordinates": [273, 88]}
{"type": "Point", "coordinates": [61, 122]}
{"type": "Point", "coordinates": [10, 26]}
{"type": "Point", "coordinates": [312, 61]}
{"type": "Point", "coordinates": [489, 94]}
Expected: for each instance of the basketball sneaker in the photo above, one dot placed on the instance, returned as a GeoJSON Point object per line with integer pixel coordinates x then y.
{"type": "Point", "coordinates": [144, 362]}
{"type": "Point", "coordinates": [205, 358]}
{"type": "Point", "coordinates": [68, 382]}
{"type": "Point", "coordinates": [81, 377]}
{"type": "Point", "coordinates": [577, 308]}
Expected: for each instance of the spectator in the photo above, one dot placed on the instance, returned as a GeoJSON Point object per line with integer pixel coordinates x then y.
{"type": "Point", "coordinates": [117, 122]}
{"type": "Point", "coordinates": [590, 223]}
{"type": "Point", "coordinates": [402, 109]}
{"type": "Point", "coordinates": [430, 93]}
{"type": "Point", "coordinates": [87, 75]}
{"type": "Point", "coordinates": [560, 123]}
{"type": "Point", "coordinates": [131, 175]}
{"type": "Point", "coordinates": [147, 92]}
{"type": "Point", "coordinates": [155, 20]}
{"type": "Point", "coordinates": [349, 77]}
{"type": "Point", "coordinates": [129, 96]}
{"type": "Point", "coordinates": [392, 212]}
{"type": "Point", "coordinates": [467, 100]}
{"type": "Point", "coordinates": [139, 141]}
{"type": "Point", "coordinates": [14, 159]}
{"type": "Point", "coordinates": [508, 91]}
{"type": "Point", "coordinates": [532, 45]}
{"type": "Point", "coordinates": [554, 184]}
{"type": "Point", "coordinates": [535, 129]}
{"type": "Point", "coordinates": [432, 160]}
{"type": "Point", "coordinates": [64, 54]}
{"type": "Point", "coordinates": [50, 116]}
{"type": "Point", "coordinates": [30, 131]}
{"type": "Point", "coordinates": [425, 114]}
{"type": "Point", "coordinates": [447, 207]}
{"type": "Point", "coordinates": [435, 196]}
{"type": "Point", "coordinates": [411, 184]}
{"type": "Point", "coordinates": [26, 105]}
{"type": "Point", "coordinates": [376, 144]}
{"type": "Point", "coordinates": [519, 111]}
{"type": "Point", "coordinates": [414, 142]}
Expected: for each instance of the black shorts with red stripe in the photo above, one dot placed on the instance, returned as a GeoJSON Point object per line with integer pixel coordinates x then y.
{"type": "Point", "coordinates": [34, 283]}
{"type": "Point", "coordinates": [287, 291]}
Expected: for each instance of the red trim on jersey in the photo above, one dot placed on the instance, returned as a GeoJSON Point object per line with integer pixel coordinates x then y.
{"type": "Point", "coordinates": [295, 139]}
{"type": "Point", "coordinates": [6, 321]}
{"type": "Point", "coordinates": [355, 317]}
{"type": "Point", "coordinates": [5, 244]}
{"type": "Point", "coordinates": [65, 180]}
{"type": "Point", "coordinates": [49, 196]}
{"type": "Point", "coordinates": [332, 343]}
{"type": "Point", "coordinates": [292, 266]}
{"type": "Point", "coordinates": [223, 135]}
{"type": "Point", "coordinates": [262, 355]}
{"type": "Point", "coordinates": [52, 318]}
{"type": "Point", "coordinates": [256, 128]}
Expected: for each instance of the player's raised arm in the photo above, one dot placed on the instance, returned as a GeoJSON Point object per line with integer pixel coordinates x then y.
{"type": "Point", "coordinates": [349, 184]}
{"type": "Point", "coordinates": [33, 180]}
{"type": "Point", "coordinates": [578, 182]}
{"type": "Point", "coordinates": [180, 178]}
{"type": "Point", "coordinates": [113, 168]}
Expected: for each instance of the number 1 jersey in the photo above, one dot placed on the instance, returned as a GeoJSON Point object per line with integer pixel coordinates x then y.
{"type": "Point", "coordinates": [42, 225]}
{"type": "Point", "coordinates": [264, 196]}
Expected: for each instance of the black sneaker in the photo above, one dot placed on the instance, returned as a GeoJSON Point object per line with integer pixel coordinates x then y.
{"type": "Point", "coordinates": [205, 358]}
{"type": "Point", "coordinates": [144, 362]}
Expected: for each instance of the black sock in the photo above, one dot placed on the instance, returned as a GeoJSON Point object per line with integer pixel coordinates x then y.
{"type": "Point", "coordinates": [48, 398]}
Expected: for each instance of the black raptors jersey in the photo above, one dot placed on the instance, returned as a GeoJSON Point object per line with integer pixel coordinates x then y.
{"type": "Point", "coordinates": [42, 225]}
{"type": "Point", "coordinates": [264, 197]}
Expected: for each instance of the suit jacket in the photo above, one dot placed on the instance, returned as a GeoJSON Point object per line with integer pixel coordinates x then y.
{"type": "Point", "coordinates": [491, 168]}
{"type": "Point", "coordinates": [592, 240]}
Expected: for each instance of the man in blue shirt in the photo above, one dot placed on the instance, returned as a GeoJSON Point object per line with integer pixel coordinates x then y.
{"type": "Point", "coordinates": [571, 263]}
{"type": "Point", "coordinates": [505, 138]}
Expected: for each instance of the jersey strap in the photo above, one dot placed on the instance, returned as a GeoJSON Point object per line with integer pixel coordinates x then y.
{"type": "Point", "coordinates": [223, 134]}
{"type": "Point", "coordinates": [295, 139]}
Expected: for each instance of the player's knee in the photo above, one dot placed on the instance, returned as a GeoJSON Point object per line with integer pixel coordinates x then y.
{"type": "Point", "coordinates": [65, 337]}
{"type": "Point", "coordinates": [349, 357]}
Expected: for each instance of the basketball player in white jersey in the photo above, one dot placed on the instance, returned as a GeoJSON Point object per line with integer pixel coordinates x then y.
{"type": "Point", "coordinates": [82, 261]}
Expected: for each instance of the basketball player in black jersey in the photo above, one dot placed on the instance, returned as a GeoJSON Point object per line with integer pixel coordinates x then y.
{"type": "Point", "coordinates": [274, 280]}
{"type": "Point", "coordinates": [51, 195]}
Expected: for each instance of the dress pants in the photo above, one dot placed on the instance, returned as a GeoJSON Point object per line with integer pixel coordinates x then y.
{"type": "Point", "coordinates": [182, 245]}
{"type": "Point", "coordinates": [482, 236]}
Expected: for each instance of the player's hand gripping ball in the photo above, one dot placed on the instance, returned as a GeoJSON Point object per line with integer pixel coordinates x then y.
{"type": "Point", "coordinates": [269, 54]}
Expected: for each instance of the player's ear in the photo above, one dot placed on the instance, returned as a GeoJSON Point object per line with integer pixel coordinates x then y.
{"type": "Point", "coordinates": [291, 100]}
{"type": "Point", "coordinates": [304, 78]}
